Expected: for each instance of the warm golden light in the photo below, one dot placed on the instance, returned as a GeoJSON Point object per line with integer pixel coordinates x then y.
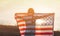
{"type": "Point", "coordinates": [40, 21]}
{"type": "Point", "coordinates": [9, 7]}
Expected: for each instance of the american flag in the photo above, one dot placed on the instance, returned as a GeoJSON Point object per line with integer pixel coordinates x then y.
{"type": "Point", "coordinates": [29, 27]}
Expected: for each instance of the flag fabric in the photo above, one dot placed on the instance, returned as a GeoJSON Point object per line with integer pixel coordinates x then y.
{"type": "Point", "coordinates": [29, 27]}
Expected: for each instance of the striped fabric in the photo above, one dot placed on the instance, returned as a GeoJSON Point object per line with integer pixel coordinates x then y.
{"type": "Point", "coordinates": [28, 27]}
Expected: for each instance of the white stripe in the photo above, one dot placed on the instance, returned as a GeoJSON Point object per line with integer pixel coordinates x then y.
{"type": "Point", "coordinates": [21, 22]}
{"type": "Point", "coordinates": [37, 26]}
{"type": "Point", "coordinates": [20, 14]}
{"type": "Point", "coordinates": [22, 35]}
{"type": "Point", "coordinates": [43, 31]}
{"type": "Point", "coordinates": [43, 35]}
{"type": "Point", "coordinates": [23, 31]}
{"type": "Point", "coordinates": [19, 19]}
{"type": "Point", "coordinates": [33, 26]}
{"type": "Point", "coordinates": [20, 27]}
{"type": "Point", "coordinates": [26, 26]}
{"type": "Point", "coordinates": [44, 26]}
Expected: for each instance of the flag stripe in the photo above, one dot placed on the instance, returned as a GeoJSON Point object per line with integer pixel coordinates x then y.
{"type": "Point", "coordinates": [24, 26]}
{"type": "Point", "coordinates": [40, 30]}
{"type": "Point", "coordinates": [40, 33]}
{"type": "Point", "coordinates": [20, 21]}
{"type": "Point", "coordinates": [36, 28]}
{"type": "Point", "coordinates": [37, 31]}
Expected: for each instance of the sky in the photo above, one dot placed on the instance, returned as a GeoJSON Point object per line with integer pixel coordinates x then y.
{"type": "Point", "coordinates": [9, 7]}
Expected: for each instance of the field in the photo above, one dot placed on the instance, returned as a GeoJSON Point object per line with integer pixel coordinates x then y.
{"type": "Point", "coordinates": [14, 31]}
{"type": "Point", "coordinates": [9, 31]}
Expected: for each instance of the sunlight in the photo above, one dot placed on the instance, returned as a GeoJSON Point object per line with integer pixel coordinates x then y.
{"type": "Point", "coordinates": [39, 21]}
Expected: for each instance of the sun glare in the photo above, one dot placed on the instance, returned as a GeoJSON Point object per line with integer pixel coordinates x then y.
{"type": "Point", "coordinates": [40, 21]}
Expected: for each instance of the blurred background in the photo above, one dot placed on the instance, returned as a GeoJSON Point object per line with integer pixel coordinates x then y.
{"type": "Point", "coordinates": [8, 8]}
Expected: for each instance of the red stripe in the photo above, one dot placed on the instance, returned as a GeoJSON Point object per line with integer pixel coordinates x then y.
{"type": "Point", "coordinates": [40, 33]}
{"type": "Point", "coordinates": [20, 21]}
{"type": "Point", "coordinates": [44, 33]}
{"type": "Point", "coordinates": [16, 17]}
{"type": "Point", "coordinates": [21, 24]}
